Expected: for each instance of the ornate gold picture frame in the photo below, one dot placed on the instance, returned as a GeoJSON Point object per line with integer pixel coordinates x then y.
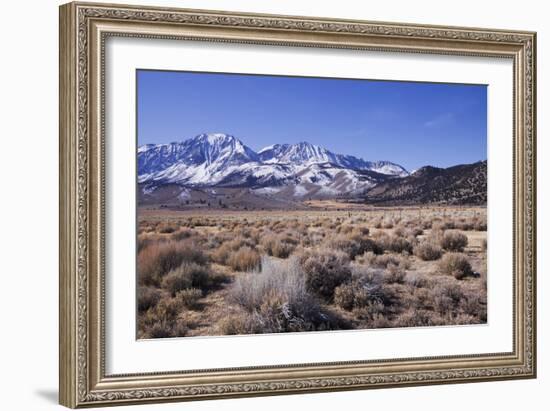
{"type": "Point", "coordinates": [84, 29]}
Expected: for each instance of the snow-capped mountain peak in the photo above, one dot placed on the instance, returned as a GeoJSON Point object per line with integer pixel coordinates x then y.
{"type": "Point", "coordinates": [218, 159]}
{"type": "Point", "coordinates": [302, 152]}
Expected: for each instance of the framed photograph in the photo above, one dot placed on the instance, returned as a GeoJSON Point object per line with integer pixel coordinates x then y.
{"type": "Point", "coordinates": [259, 204]}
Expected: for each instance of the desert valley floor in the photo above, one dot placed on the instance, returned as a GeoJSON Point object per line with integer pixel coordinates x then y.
{"type": "Point", "coordinates": [332, 266]}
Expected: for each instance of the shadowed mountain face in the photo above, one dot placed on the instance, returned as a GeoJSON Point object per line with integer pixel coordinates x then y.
{"type": "Point", "coordinates": [461, 184]}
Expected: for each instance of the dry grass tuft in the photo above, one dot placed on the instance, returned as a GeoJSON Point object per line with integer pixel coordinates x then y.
{"type": "Point", "coordinates": [156, 260]}
{"type": "Point", "coordinates": [244, 259]}
{"type": "Point", "coordinates": [278, 245]}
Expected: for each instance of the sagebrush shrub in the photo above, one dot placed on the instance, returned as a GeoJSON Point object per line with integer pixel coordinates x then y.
{"type": "Point", "coordinates": [167, 328]}
{"type": "Point", "coordinates": [147, 297]}
{"type": "Point", "coordinates": [325, 270]}
{"type": "Point", "coordinates": [277, 298]}
{"type": "Point", "coordinates": [418, 318]}
{"type": "Point", "coordinates": [456, 264]}
{"type": "Point", "coordinates": [394, 274]}
{"type": "Point", "coordinates": [384, 260]}
{"type": "Point", "coordinates": [236, 324]}
{"type": "Point", "coordinates": [222, 254]}
{"type": "Point", "coordinates": [454, 241]}
{"type": "Point", "coordinates": [278, 245]}
{"type": "Point", "coordinates": [446, 297]}
{"type": "Point", "coordinates": [166, 229]}
{"type": "Point", "coordinates": [352, 244]}
{"type": "Point", "coordinates": [187, 275]}
{"type": "Point", "coordinates": [189, 297]}
{"type": "Point", "coordinates": [428, 251]}
{"type": "Point", "coordinates": [183, 234]}
{"type": "Point", "coordinates": [480, 224]}
{"type": "Point", "coordinates": [344, 296]}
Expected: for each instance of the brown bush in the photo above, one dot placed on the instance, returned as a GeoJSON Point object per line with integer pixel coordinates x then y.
{"type": "Point", "coordinates": [446, 296]}
{"type": "Point", "coordinates": [454, 241]}
{"type": "Point", "coordinates": [244, 259]}
{"type": "Point", "coordinates": [344, 296]}
{"type": "Point", "coordinates": [166, 329]}
{"type": "Point", "coordinates": [325, 270]}
{"type": "Point", "coordinates": [393, 243]}
{"type": "Point", "coordinates": [418, 318]}
{"type": "Point", "coordinates": [428, 251]}
{"type": "Point", "coordinates": [419, 281]}
{"type": "Point", "coordinates": [278, 245]}
{"type": "Point", "coordinates": [156, 260]}
{"type": "Point", "coordinates": [357, 295]}
{"type": "Point", "coordinates": [464, 225]}
{"type": "Point", "coordinates": [480, 224]}
{"type": "Point", "coordinates": [189, 297]}
{"type": "Point", "coordinates": [373, 312]}
{"type": "Point", "coordinates": [166, 228]}
{"type": "Point", "coordinates": [456, 264]}
{"type": "Point", "coordinates": [235, 324]}
{"type": "Point", "coordinates": [352, 245]}
{"type": "Point", "coordinates": [187, 275]}
{"type": "Point", "coordinates": [394, 274]}
{"type": "Point", "coordinates": [222, 254]}
{"type": "Point", "coordinates": [161, 329]}
{"type": "Point", "coordinates": [387, 223]}
{"type": "Point", "coordinates": [360, 230]}
{"type": "Point", "coordinates": [147, 297]}
{"type": "Point", "coordinates": [384, 260]}
{"type": "Point", "coordinates": [399, 231]}
{"type": "Point", "coordinates": [413, 232]}
{"type": "Point", "coordinates": [183, 234]}
{"type": "Point", "coordinates": [162, 320]}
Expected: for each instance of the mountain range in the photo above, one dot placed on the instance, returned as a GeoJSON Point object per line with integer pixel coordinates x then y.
{"type": "Point", "coordinates": [221, 160]}
{"type": "Point", "coordinates": [217, 162]}
{"type": "Point", "coordinates": [461, 184]}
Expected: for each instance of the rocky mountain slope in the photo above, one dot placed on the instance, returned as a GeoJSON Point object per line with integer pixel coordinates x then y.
{"type": "Point", "coordinates": [461, 184]}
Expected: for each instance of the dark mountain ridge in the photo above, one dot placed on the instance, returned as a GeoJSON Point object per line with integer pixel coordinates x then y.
{"type": "Point", "coordinates": [460, 184]}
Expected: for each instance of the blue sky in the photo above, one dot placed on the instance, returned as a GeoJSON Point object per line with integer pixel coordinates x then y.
{"type": "Point", "coordinates": [410, 123]}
